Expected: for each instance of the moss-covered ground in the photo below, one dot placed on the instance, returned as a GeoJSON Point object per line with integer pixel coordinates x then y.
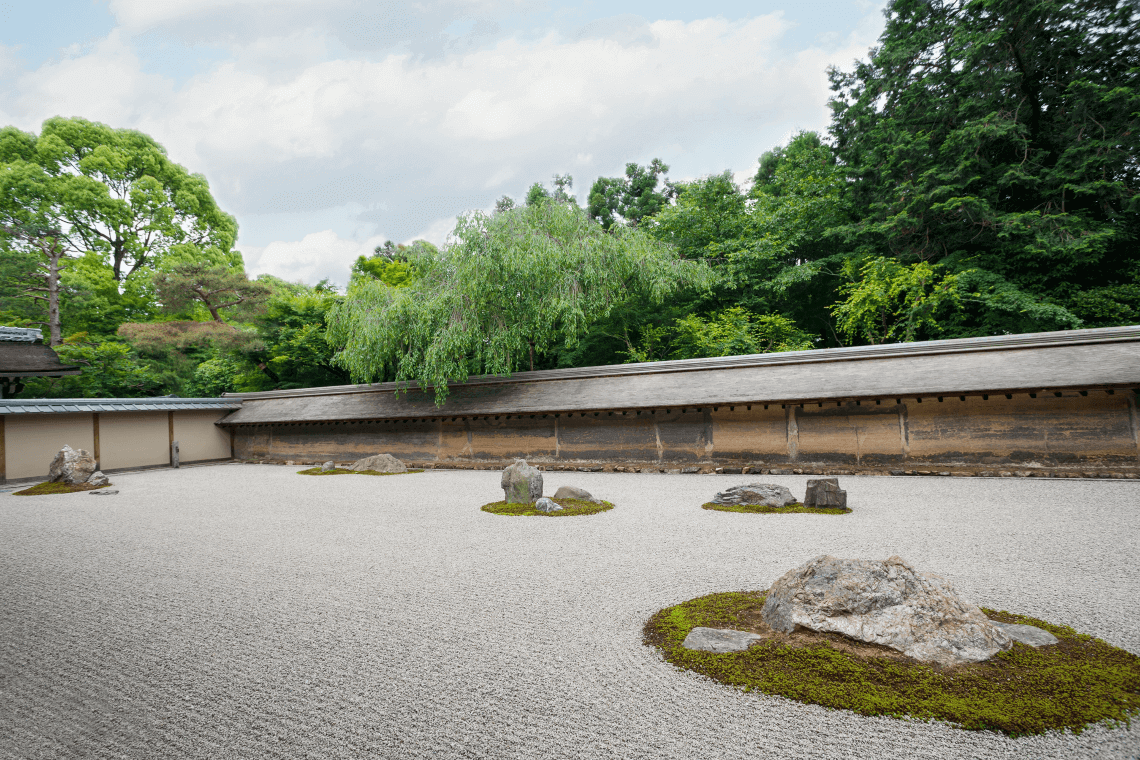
{"type": "Point", "coordinates": [1077, 682]}
{"type": "Point", "coordinates": [796, 508]}
{"type": "Point", "coordinates": [42, 489]}
{"type": "Point", "coordinates": [570, 508]}
{"type": "Point", "coordinates": [339, 471]}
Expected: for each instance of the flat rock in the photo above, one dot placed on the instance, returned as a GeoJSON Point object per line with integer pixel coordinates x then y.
{"type": "Point", "coordinates": [379, 463]}
{"type": "Point", "coordinates": [573, 492]}
{"type": "Point", "coordinates": [521, 483]}
{"type": "Point", "coordinates": [825, 492]}
{"type": "Point", "coordinates": [546, 505]}
{"type": "Point", "coordinates": [104, 493]}
{"type": "Point", "coordinates": [719, 640]}
{"type": "Point", "coordinates": [764, 494]}
{"type": "Point", "coordinates": [71, 466]}
{"type": "Point", "coordinates": [887, 603]}
{"type": "Point", "coordinates": [1028, 634]}
{"type": "Point", "coordinates": [98, 479]}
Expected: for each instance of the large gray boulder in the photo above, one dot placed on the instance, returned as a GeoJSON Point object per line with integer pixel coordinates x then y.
{"type": "Point", "coordinates": [71, 466]}
{"type": "Point", "coordinates": [521, 483]}
{"type": "Point", "coordinates": [887, 603]}
{"type": "Point", "coordinates": [328, 466]}
{"type": "Point", "coordinates": [379, 463]}
{"type": "Point", "coordinates": [764, 494]}
{"type": "Point", "coordinates": [573, 492]}
{"type": "Point", "coordinates": [719, 640]}
{"type": "Point", "coordinates": [824, 492]}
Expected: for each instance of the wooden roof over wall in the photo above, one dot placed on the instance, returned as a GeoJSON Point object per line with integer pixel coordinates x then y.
{"type": "Point", "coordinates": [26, 359]}
{"type": "Point", "coordinates": [1072, 359]}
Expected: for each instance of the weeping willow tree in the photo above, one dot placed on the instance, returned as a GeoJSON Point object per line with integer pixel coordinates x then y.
{"type": "Point", "coordinates": [509, 288]}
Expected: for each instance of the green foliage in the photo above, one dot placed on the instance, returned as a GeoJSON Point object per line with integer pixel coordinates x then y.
{"type": "Point", "coordinates": [570, 508]}
{"type": "Point", "coordinates": [735, 331]}
{"type": "Point", "coordinates": [297, 352]}
{"type": "Point", "coordinates": [110, 370]}
{"type": "Point", "coordinates": [214, 286]}
{"type": "Point", "coordinates": [766, 510]}
{"type": "Point", "coordinates": [513, 286]}
{"type": "Point", "coordinates": [387, 264]}
{"type": "Point", "coordinates": [631, 198]}
{"type": "Point", "coordinates": [216, 376]}
{"type": "Point", "coordinates": [888, 301]}
{"type": "Point", "coordinates": [1071, 685]}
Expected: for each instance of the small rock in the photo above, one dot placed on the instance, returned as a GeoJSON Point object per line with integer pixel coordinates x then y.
{"type": "Point", "coordinates": [764, 494]}
{"type": "Point", "coordinates": [825, 492]}
{"type": "Point", "coordinates": [898, 472]}
{"type": "Point", "coordinates": [547, 505]}
{"type": "Point", "coordinates": [328, 467]}
{"type": "Point", "coordinates": [103, 493]}
{"type": "Point", "coordinates": [732, 470]}
{"type": "Point", "coordinates": [379, 463]}
{"type": "Point", "coordinates": [1027, 634]}
{"type": "Point", "coordinates": [1005, 474]}
{"type": "Point", "coordinates": [690, 470]}
{"type": "Point", "coordinates": [521, 483]}
{"type": "Point", "coordinates": [71, 466]}
{"type": "Point", "coordinates": [573, 492]}
{"type": "Point", "coordinates": [98, 479]}
{"type": "Point", "coordinates": [719, 640]}
{"type": "Point", "coordinates": [887, 603]}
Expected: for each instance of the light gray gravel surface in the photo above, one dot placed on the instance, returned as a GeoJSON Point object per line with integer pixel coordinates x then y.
{"type": "Point", "coordinates": [243, 611]}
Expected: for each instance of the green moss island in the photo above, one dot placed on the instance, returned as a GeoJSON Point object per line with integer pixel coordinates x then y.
{"type": "Point", "coordinates": [570, 508]}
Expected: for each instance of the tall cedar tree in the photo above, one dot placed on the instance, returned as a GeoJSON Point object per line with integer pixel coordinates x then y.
{"type": "Point", "coordinates": [1001, 136]}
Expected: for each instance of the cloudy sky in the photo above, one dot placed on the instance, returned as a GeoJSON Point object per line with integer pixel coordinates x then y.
{"type": "Point", "coordinates": [329, 126]}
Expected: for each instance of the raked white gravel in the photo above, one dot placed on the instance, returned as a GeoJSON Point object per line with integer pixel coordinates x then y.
{"type": "Point", "coordinates": [243, 611]}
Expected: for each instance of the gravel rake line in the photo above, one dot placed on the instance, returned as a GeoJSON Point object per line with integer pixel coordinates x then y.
{"type": "Point", "coordinates": [246, 612]}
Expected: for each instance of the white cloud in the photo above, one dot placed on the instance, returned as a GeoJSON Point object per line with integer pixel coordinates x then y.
{"type": "Point", "coordinates": [316, 256]}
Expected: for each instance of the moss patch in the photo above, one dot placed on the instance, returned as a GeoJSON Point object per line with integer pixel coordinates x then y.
{"type": "Point", "coordinates": [570, 508]}
{"type": "Point", "coordinates": [339, 471]}
{"type": "Point", "coordinates": [1077, 682]}
{"type": "Point", "coordinates": [50, 488]}
{"type": "Point", "coordinates": [796, 508]}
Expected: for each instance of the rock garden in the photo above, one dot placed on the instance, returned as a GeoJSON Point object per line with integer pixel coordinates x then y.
{"type": "Point", "coordinates": [380, 464]}
{"type": "Point", "coordinates": [882, 638]}
{"type": "Point", "coordinates": [823, 497]}
{"type": "Point", "coordinates": [71, 470]}
{"type": "Point", "coordinates": [522, 496]}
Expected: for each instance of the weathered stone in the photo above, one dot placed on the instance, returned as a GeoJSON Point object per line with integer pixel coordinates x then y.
{"type": "Point", "coordinates": [521, 483]}
{"type": "Point", "coordinates": [1028, 634]}
{"type": "Point", "coordinates": [887, 603]}
{"type": "Point", "coordinates": [175, 455]}
{"type": "Point", "coordinates": [719, 640]}
{"type": "Point", "coordinates": [825, 492]}
{"type": "Point", "coordinates": [98, 479]}
{"type": "Point", "coordinates": [764, 494]}
{"type": "Point", "coordinates": [328, 467]}
{"type": "Point", "coordinates": [379, 463]}
{"type": "Point", "coordinates": [573, 492]}
{"type": "Point", "coordinates": [71, 466]}
{"type": "Point", "coordinates": [103, 493]}
{"type": "Point", "coordinates": [690, 470]}
{"type": "Point", "coordinates": [547, 505]}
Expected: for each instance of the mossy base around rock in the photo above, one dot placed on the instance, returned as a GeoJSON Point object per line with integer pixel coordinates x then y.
{"type": "Point", "coordinates": [339, 471]}
{"type": "Point", "coordinates": [1077, 682]}
{"type": "Point", "coordinates": [570, 508]}
{"type": "Point", "coordinates": [44, 489]}
{"type": "Point", "coordinates": [796, 508]}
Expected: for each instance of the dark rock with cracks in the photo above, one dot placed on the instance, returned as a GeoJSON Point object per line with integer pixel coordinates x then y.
{"type": "Point", "coordinates": [824, 492]}
{"type": "Point", "coordinates": [887, 603]}
{"type": "Point", "coordinates": [379, 463]}
{"type": "Point", "coordinates": [521, 483]}
{"type": "Point", "coordinates": [71, 466]}
{"type": "Point", "coordinates": [573, 492]}
{"type": "Point", "coordinates": [763, 494]}
{"type": "Point", "coordinates": [719, 640]}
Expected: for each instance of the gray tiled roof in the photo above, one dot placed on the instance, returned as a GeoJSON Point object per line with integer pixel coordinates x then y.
{"type": "Point", "coordinates": [89, 405]}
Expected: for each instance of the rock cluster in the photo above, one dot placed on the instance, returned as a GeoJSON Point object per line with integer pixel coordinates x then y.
{"type": "Point", "coordinates": [825, 492]}
{"type": "Point", "coordinates": [521, 483]}
{"type": "Point", "coordinates": [379, 463]}
{"type": "Point", "coordinates": [71, 466]}
{"type": "Point", "coordinates": [764, 494]}
{"type": "Point", "coordinates": [887, 603]}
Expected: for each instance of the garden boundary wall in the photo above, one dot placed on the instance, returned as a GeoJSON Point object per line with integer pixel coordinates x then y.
{"type": "Point", "coordinates": [1060, 403]}
{"type": "Point", "coordinates": [122, 434]}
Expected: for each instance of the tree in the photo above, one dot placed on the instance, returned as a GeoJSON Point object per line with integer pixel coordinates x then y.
{"type": "Point", "coordinates": [109, 370]}
{"type": "Point", "coordinates": [631, 198]}
{"type": "Point", "coordinates": [115, 191]}
{"type": "Point", "coordinates": [512, 287]}
{"type": "Point", "coordinates": [42, 278]}
{"type": "Point", "coordinates": [215, 287]}
{"type": "Point", "coordinates": [1000, 136]}
{"type": "Point", "coordinates": [387, 264]}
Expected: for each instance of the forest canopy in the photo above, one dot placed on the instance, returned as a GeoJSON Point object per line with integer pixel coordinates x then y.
{"type": "Point", "coordinates": [979, 177]}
